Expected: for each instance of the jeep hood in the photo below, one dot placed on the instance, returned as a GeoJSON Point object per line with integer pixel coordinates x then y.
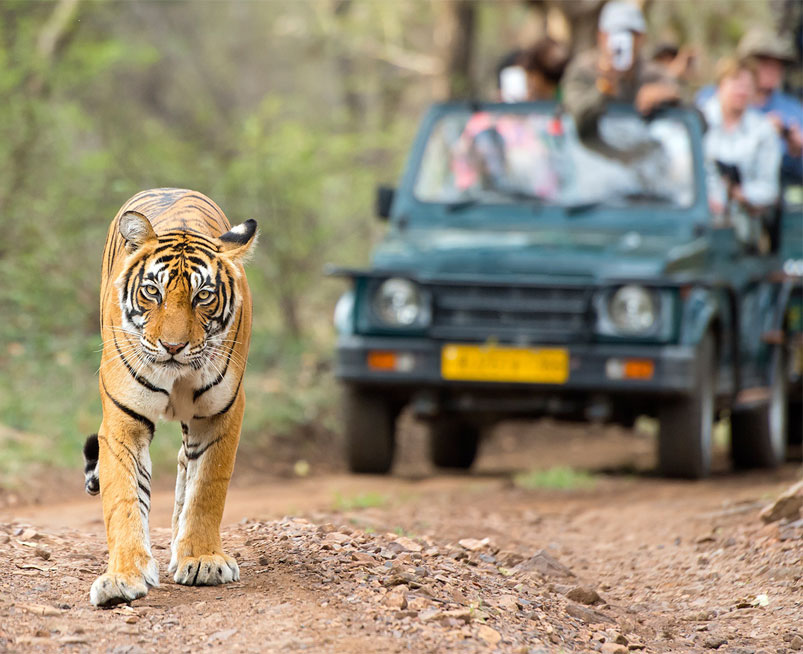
{"type": "Point", "coordinates": [574, 253]}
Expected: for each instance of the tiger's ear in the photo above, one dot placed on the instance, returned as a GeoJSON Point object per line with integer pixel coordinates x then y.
{"type": "Point", "coordinates": [136, 229]}
{"type": "Point", "coordinates": [238, 242]}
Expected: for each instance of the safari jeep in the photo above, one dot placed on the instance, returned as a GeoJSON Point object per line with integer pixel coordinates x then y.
{"type": "Point", "coordinates": [528, 272]}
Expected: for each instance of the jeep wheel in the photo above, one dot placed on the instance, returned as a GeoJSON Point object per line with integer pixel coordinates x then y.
{"type": "Point", "coordinates": [369, 422]}
{"type": "Point", "coordinates": [686, 425]}
{"type": "Point", "coordinates": [452, 443]}
{"type": "Point", "coordinates": [758, 434]}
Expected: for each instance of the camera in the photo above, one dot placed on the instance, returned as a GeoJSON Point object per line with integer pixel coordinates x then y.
{"type": "Point", "coordinates": [620, 46]}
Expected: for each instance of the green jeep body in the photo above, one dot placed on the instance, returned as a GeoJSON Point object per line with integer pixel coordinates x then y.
{"type": "Point", "coordinates": [527, 283]}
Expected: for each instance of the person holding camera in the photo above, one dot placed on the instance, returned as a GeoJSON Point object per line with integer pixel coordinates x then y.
{"type": "Point", "coordinates": [742, 152]}
{"type": "Point", "coordinates": [615, 71]}
{"type": "Point", "coordinates": [772, 54]}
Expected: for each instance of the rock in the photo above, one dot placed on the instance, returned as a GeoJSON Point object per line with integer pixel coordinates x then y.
{"type": "Point", "coordinates": [30, 534]}
{"type": "Point", "coordinates": [42, 553]}
{"type": "Point", "coordinates": [474, 545]}
{"type": "Point", "coordinates": [221, 635]}
{"type": "Point", "coordinates": [507, 603]}
{"type": "Point", "coordinates": [418, 603]}
{"type": "Point", "coordinates": [396, 598]}
{"type": "Point", "coordinates": [337, 537]}
{"type": "Point", "coordinates": [591, 616]}
{"type": "Point", "coordinates": [428, 615]}
{"type": "Point", "coordinates": [613, 648]}
{"type": "Point", "coordinates": [583, 595]}
{"type": "Point", "coordinates": [787, 506]}
{"type": "Point", "coordinates": [463, 615]}
{"type": "Point", "coordinates": [712, 641]}
{"type": "Point", "coordinates": [544, 564]}
{"type": "Point", "coordinates": [40, 609]}
{"type": "Point", "coordinates": [409, 544]}
{"type": "Point", "coordinates": [488, 634]}
{"type": "Point", "coordinates": [796, 643]}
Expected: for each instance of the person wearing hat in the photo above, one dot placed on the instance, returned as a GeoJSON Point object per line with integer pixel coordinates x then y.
{"type": "Point", "coordinates": [615, 71]}
{"type": "Point", "coordinates": [742, 152]}
{"type": "Point", "coordinates": [771, 54]}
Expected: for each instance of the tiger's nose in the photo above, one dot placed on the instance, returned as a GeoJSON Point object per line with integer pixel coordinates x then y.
{"type": "Point", "coordinates": [173, 348]}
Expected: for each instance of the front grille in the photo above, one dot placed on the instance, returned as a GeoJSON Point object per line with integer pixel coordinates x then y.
{"type": "Point", "coordinates": [556, 314]}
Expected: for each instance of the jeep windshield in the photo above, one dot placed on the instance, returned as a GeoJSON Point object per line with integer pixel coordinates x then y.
{"type": "Point", "coordinates": [499, 156]}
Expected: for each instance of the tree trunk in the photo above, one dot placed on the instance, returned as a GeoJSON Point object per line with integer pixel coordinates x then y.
{"type": "Point", "coordinates": [454, 41]}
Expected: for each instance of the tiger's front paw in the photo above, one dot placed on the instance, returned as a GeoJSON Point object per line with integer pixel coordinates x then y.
{"type": "Point", "coordinates": [114, 587]}
{"type": "Point", "coordinates": [207, 570]}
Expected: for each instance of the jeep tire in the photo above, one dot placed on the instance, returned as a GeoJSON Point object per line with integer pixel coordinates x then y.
{"type": "Point", "coordinates": [686, 424]}
{"type": "Point", "coordinates": [369, 425]}
{"type": "Point", "coordinates": [453, 443]}
{"type": "Point", "coordinates": [759, 433]}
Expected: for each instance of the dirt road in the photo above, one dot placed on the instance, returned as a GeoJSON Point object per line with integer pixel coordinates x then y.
{"type": "Point", "coordinates": [420, 562]}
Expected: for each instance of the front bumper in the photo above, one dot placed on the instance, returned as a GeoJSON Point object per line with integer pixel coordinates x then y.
{"type": "Point", "coordinates": [674, 368]}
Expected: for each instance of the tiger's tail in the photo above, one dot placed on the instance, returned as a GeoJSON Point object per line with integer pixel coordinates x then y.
{"type": "Point", "coordinates": [92, 482]}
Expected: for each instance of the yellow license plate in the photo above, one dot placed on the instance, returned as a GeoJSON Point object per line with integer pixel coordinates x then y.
{"type": "Point", "coordinates": [505, 364]}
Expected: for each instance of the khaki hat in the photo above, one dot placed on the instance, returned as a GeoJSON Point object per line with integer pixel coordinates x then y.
{"type": "Point", "coordinates": [761, 42]}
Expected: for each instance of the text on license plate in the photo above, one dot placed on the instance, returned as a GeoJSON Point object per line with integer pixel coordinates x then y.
{"type": "Point", "coordinates": [505, 364]}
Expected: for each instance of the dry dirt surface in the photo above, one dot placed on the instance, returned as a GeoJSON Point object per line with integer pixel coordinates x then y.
{"type": "Point", "coordinates": [420, 562]}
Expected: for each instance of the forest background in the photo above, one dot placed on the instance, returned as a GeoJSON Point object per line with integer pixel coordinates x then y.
{"type": "Point", "coordinates": [286, 111]}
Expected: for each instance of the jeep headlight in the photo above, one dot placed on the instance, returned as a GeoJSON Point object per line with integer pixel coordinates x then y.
{"type": "Point", "coordinates": [632, 309]}
{"type": "Point", "coordinates": [398, 303]}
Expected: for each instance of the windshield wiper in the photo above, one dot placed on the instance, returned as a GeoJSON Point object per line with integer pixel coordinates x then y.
{"type": "Point", "coordinates": [582, 207]}
{"type": "Point", "coordinates": [613, 202]}
{"type": "Point", "coordinates": [507, 194]}
{"type": "Point", "coordinates": [461, 204]}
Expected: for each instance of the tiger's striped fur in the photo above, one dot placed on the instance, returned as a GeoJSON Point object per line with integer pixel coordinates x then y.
{"type": "Point", "coordinates": [175, 314]}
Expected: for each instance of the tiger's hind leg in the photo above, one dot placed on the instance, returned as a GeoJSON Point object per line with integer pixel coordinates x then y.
{"type": "Point", "coordinates": [125, 474]}
{"type": "Point", "coordinates": [205, 464]}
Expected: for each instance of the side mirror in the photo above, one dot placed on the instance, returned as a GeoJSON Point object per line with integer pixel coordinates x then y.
{"type": "Point", "coordinates": [384, 200]}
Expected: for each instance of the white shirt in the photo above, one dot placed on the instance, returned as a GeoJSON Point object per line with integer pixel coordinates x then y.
{"type": "Point", "coordinates": [751, 145]}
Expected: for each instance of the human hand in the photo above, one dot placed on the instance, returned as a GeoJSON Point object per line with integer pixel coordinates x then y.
{"type": "Point", "coordinates": [682, 64]}
{"type": "Point", "coordinates": [794, 141]}
{"type": "Point", "coordinates": [651, 96]}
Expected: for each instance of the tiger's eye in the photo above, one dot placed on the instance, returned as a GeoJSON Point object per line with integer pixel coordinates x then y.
{"type": "Point", "coordinates": [150, 292]}
{"type": "Point", "coordinates": [203, 296]}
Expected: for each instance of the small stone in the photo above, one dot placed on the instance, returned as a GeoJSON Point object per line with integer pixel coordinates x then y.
{"type": "Point", "coordinates": [787, 506]}
{"type": "Point", "coordinates": [796, 643]}
{"type": "Point", "coordinates": [591, 616]}
{"type": "Point", "coordinates": [30, 534]}
{"type": "Point", "coordinates": [613, 648]}
{"type": "Point", "coordinates": [131, 619]}
{"type": "Point", "coordinates": [40, 609]}
{"type": "Point", "coordinates": [488, 634]}
{"type": "Point", "coordinates": [507, 603]}
{"type": "Point", "coordinates": [473, 545]}
{"type": "Point", "coordinates": [409, 544]}
{"type": "Point", "coordinates": [222, 635]}
{"type": "Point", "coordinates": [337, 537]}
{"type": "Point", "coordinates": [73, 640]}
{"type": "Point", "coordinates": [459, 615]}
{"type": "Point", "coordinates": [545, 564]}
{"type": "Point", "coordinates": [428, 615]}
{"type": "Point", "coordinates": [583, 595]}
{"type": "Point", "coordinates": [396, 598]}
{"type": "Point", "coordinates": [712, 641]}
{"type": "Point", "coordinates": [42, 553]}
{"type": "Point", "coordinates": [418, 603]}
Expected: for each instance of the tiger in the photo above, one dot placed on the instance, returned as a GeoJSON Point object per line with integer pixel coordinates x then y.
{"type": "Point", "coordinates": [175, 319]}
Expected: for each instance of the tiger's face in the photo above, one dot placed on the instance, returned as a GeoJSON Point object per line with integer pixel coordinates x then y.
{"type": "Point", "coordinates": [179, 293]}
